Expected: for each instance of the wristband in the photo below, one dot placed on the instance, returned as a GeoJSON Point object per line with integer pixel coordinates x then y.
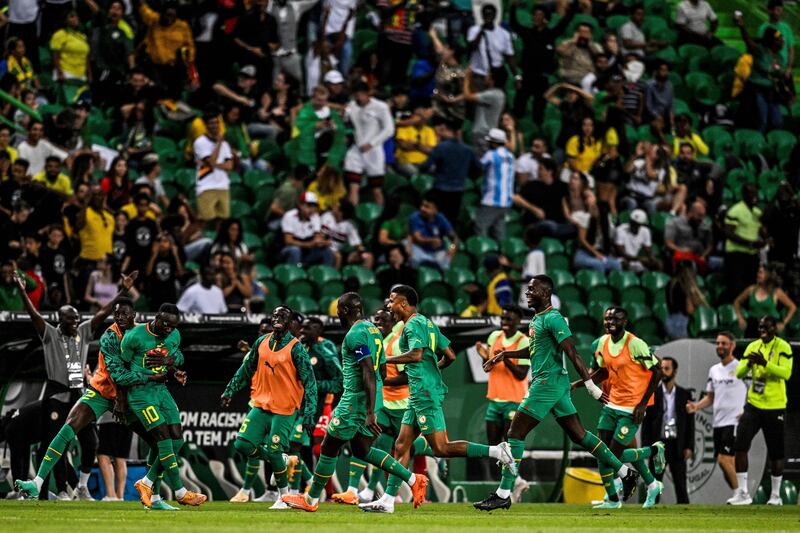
{"type": "Point", "coordinates": [594, 391]}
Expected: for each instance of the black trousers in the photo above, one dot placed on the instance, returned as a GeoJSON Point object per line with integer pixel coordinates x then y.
{"type": "Point", "coordinates": [394, 58]}
{"type": "Point", "coordinates": [740, 273]}
{"type": "Point", "coordinates": [677, 468]}
{"type": "Point", "coordinates": [449, 203]}
{"type": "Point", "coordinates": [39, 422]}
{"type": "Point", "coordinates": [534, 84]}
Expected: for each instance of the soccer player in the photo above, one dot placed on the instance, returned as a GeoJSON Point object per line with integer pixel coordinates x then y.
{"type": "Point", "coordinates": [354, 419]}
{"type": "Point", "coordinates": [65, 350]}
{"type": "Point", "coordinates": [148, 349]}
{"type": "Point", "coordinates": [632, 373]}
{"type": "Point", "coordinates": [281, 382]}
{"type": "Point", "coordinates": [550, 392]}
{"type": "Point", "coordinates": [419, 343]}
{"type": "Point", "coordinates": [728, 395]}
{"type": "Point", "coordinates": [768, 362]}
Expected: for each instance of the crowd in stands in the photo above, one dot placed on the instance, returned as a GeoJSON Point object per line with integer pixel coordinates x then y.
{"type": "Point", "coordinates": [244, 152]}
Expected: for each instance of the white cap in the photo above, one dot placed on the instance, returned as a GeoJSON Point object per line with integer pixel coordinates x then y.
{"type": "Point", "coordinates": [309, 197]}
{"type": "Point", "coordinates": [496, 135]}
{"type": "Point", "coordinates": [633, 71]}
{"type": "Point", "coordinates": [248, 70]}
{"type": "Point", "coordinates": [639, 216]}
{"type": "Point", "coordinates": [333, 76]}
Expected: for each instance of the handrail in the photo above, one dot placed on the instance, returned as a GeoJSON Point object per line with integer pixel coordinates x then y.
{"type": "Point", "coordinates": [6, 97]}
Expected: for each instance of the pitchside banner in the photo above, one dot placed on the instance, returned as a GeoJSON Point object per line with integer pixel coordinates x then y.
{"type": "Point", "coordinates": [204, 422]}
{"type": "Point", "coordinates": [704, 478]}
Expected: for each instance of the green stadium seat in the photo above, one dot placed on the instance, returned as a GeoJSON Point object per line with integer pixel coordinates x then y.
{"type": "Point", "coordinates": [749, 142]}
{"type": "Point", "coordinates": [322, 274]}
{"type": "Point", "coordinates": [551, 246]}
{"type": "Point", "coordinates": [573, 308]}
{"type": "Point", "coordinates": [781, 143]}
{"type": "Point", "coordinates": [559, 261]}
{"type": "Point", "coordinates": [422, 183]}
{"type": "Point", "coordinates": [254, 179]}
{"type": "Point", "coordinates": [648, 328]}
{"type": "Point", "coordinates": [240, 209]}
{"type": "Point", "coordinates": [653, 26]}
{"type": "Point", "coordinates": [185, 178]}
{"type": "Point", "coordinates": [368, 213]}
{"type": "Point", "coordinates": [703, 88]}
{"type": "Point", "coordinates": [688, 51]}
{"type": "Point", "coordinates": [704, 322]}
{"type": "Point", "coordinates": [240, 194]}
{"type": "Point", "coordinates": [667, 54]}
{"type": "Point", "coordinates": [164, 144]}
{"type": "Point", "coordinates": [458, 276]}
{"type": "Point", "coordinates": [562, 277]}
{"type": "Point", "coordinates": [597, 309]}
{"type": "Point", "coordinates": [364, 275]}
{"type": "Point", "coordinates": [638, 311]}
{"type": "Point", "coordinates": [303, 304]}
{"type": "Point", "coordinates": [371, 305]}
{"type": "Point", "coordinates": [462, 259]}
{"type": "Point", "coordinates": [436, 289]}
{"type": "Point", "coordinates": [726, 315]}
{"type": "Point", "coordinates": [252, 241]}
{"type": "Point", "coordinates": [594, 285]}
{"type": "Point", "coordinates": [331, 289]}
{"type": "Point", "coordinates": [427, 275]}
{"type": "Point", "coordinates": [583, 339]}
{"type": "Point", "coordinates": [628, 286]}
{"type": "Point", "coordinates": [654, 282]}
{"type": "Point", "coordinates": [481, 246]}
{"type": "Point", "coordinates": [264, 197]}
{"type": "Point", "coordinates": [436, 306]}
{"type": "Point", "coordinates": [263, 272]}
{"type": "Point", "coordinates": [286, 274]}
{"type": "Point", "coordinates": [718, 139]}
{"type": "Point", "coordinates": [615, 22]}
{"type": "Point", "coordinates": [513, 246]}
{"type": "Point", "coordinates": [394, 182]}
{"type": "Point", "coordinates": [235, 177]}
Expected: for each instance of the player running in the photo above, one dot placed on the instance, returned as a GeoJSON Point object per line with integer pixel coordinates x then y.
{"type": "Point", "coordinates": [626, 364]}
{"type": "Point", "coordinates": [281, 382]}
{"type": "Point", "coordinates": [419, 343]}
{"type": "Point", "coordinates": [150, 349]}
{"type": "Point", "coordinates": [354, 419]}
{"type": "Point", "coordinates": [550, 392]}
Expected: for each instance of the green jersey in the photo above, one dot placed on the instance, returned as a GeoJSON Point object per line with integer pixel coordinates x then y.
{"type": "Point", "coordinates": [768, 386]}
{"type": "Point", "coordinates": [362, 341]}
{"type": "Point", "coordinates": [140, 342]}
{"type": "Point", "coordinates": [424, 377]}
{"type": "Point", "coordinates": [547, 330]}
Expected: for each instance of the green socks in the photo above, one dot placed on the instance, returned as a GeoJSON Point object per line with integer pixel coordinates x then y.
{"type": "Point", "coordinates": [477, 450]}
{"type": "Point", "coordinates": [357, 467]}
{"type": "Point", "coordinates": [385, 443]}
{"type": "Point", "coordinates": [251, 471]}
{"type": "Point", "coordinates": [421, 447]}
{"type": "Point", "coordinates": [387, 463]}
{"type": "Point", "coordinates": [607, 477]}
{"type": "Point", "coordinates": [326, 467]}
{"type": "Point", "coordinates": [278, 466]}
{"type": "Point", "coordinates": [595, 446]}
{"type": "Point", "coordinates": [638, 458]}
{"type": "Point", "coordinates": [56, 450]}
{"type": "Point", "coordinates": [517, 449]}
{"type": "Point", "coordinates": [297, 473]}
{"type": "Point", "coordinates": [169, 464]}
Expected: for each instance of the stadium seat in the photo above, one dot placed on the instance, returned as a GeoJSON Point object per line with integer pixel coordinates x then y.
{"type": "Point", "coordinates": [726, 315]}
{"type": "Point", "coordinates": [368, 213]}
{"type": "Point", "coordinates": [427, 275]}
{"type": "Point", "coordinates": [263, 271]}
{"type": "Point", "coordinates": [638, 311]}
{"type": "Point", "coordinates": [252, 241]}
{"type": "Point", "coordinates": [594, 285]}
{"type": "Point", "coordinates": [557, 261]}
{"type": "Point", "coordinates": [749, 142]}
{"type": "Point", "coordinates": [436, 306]}
{"type": "Point", "coordinates": [364, 275]}
{"type": "Point", "coordinates": [458, 276]}
{"type": "Point", "coordinates": [322, 274]}
{"type": "Point", "coordinates": [254, 179]}
{"type": "Point", "coordinates": [331, 289]}
{"type": "Point", "coordinates": [649, 328]}
{"type": "Point", "coordinates": [512, 247]}
{"type": "Point", "coordinates": [551, 246]}
{"type": "Point", "coordinates": [481, 246]}
{"type": "Point", "coordinates": [462, 259]}
{"type": "Point", "coordinates": [654, 282]}
{"type": "Point", "coordinates": [628, 286]}
{"type": "Point", "coordinates": [240, 194]}
{"type": "Point", "coordinates": [704, 322]}
{"type": "Point", "coordinates": [286, 274]}
{"type": "Point", "coordinates": [422, 183]}
{"type": "Point", "coordinates": [597, 308]}
{"type": "Point", "coordinates": [781, 143]}
{"type": "Point", "coordinates": [303, 304]}
{"type": "Point", "coordinates": [435, 289]}
{"type": "Point", "coordinates": [240, 209]}
{"type": "Point", "coordinates": [615, 22]}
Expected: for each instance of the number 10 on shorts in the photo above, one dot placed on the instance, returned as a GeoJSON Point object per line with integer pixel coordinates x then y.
{"type": "Point", "coordinates": [150, 414]}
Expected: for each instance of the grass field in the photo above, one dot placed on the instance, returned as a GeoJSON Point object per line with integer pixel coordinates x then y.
{"type": "Point", "coordinates": [79, 517]}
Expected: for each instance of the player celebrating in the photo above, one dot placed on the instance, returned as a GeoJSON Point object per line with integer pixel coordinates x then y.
{"type": "Point", "coordinates": [148, 349]}
{"type": "Point", "coordinates": [354, 419]}
{"type": "Point", "coordinates": [632, 373]}
{"type": "Point", "coordinates": [281, 382]}
{"type": "Point", "coordinates": [550, 392]}
{"type": "Point", "coordinates": [419, 342]}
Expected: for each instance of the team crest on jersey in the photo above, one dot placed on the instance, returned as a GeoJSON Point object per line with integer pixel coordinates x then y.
{"type": "Point", "coordinates": [624, 430]}
{"type": "Point", "coordinates": [314, 360]}
{"type": "Point", "coordinates": [276, 439]}
{"type": "Point", "coordinates": [336, 421]}
{"type": "Point", "coordinates": [299, 428]}
{"type": "Point", "coordinates": [422, 419]}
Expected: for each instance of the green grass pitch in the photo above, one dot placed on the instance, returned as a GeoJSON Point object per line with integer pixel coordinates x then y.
{"type": "Point", "coordinates": [218, 517]}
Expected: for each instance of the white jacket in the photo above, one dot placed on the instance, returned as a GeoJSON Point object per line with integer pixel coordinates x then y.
{"type": "Point", "coordinates": [372, 124]}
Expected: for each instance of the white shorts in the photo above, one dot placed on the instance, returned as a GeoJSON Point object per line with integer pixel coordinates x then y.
{"type": "Point", "coordinates": [372, 163]}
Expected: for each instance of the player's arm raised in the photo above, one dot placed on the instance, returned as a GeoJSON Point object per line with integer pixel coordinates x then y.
{"type": "Point", "coordinates": [305, 372]}
{"type": "Point", "coordinates": [124, 287]}
{"type": "Point", "coordinates": [36, 318]}
{"type": "Point", "coordinates": [242, 376]}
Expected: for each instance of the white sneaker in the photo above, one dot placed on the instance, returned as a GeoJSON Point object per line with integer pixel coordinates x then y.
{"type": "Point", "coordinates": [279, 505]}
{"type": "Point", "coordinates": [268, 496]}
{"type": "Point", "coordinates": [507, 458]}
{"type": "Point", "coordinates": [243, 496]}
{"type": "Point", "coordinates": [64, 496]}
{"type": "Point", "coordinates": [82, 494]}
{"type": "Point", "coordinates": [364, 498]}
{"type": "Point", "coordinates": [108, 499]}
{"type": "Point", "coordinates": [376, 507]}
{"type": "Point", "coordinates": [740, 497]}
{"type": "Point", "coordinates": [14, 495]}
{"type": "Point", "coordinates": [520, 486]}
{"type": "Point", "coordinates": [775, 500]}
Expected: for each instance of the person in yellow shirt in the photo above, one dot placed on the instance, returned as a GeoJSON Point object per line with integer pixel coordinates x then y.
{"type": "Point", "coordinates": [329, 188]}
{"type": "Point", "coordinates": [415, 142]}
{"type": "Point", "coordinates": [683, 134]}
{"type": "Point", "coordinates": [499, 291]}
{"type": "Point", "coordinates": [584, 150]}
{"type": "Point", "coordinates": [95, 227]}
{"type": "Point", "coordinates": [19, 66]}
{"type": "Point", "coordinates": [70, 48]}
{"type": "Point", "coordinates": [168, 43]}
{"type": "Point", "coordinates": [5, 142]}
{"type": "Point", "coordinates": [477, 304]}
{"type": "Point", "coordinates": [53, 178]}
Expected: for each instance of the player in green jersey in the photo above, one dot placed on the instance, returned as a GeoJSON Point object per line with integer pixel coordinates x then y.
{"type": "Point", "coordinates": [419, 344]}
{"type": "Point", "coordinates": [551, 339]}
{"type": "Point", "coordinates": [148, 349]}
{"type": "Point", "coordinates": [354, 419]}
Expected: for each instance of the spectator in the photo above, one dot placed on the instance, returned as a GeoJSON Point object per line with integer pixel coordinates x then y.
{"type": "Point", "coordinates": [701, 178]}
{"type": "Point", "coordinates": [577, 55]}
{"type": "Point", "coordinates": [18, 65]}
{"type": "Point", "coordinates": [429, 230]}
{"type": "Point", "coordinates": [659, 101]}
{"type": "Point", "coordinates": [338, 25]}
{"type": "Point", "coordinates": [490, 48]}
{"type": "Point", "coordinates": [516, 140]}
{"type": "Point", "coordinates": [372, 126]}
{"type": "Point", "coordinates": [451, 162]}
{"type": "Point", "coordinates": [244, 92]}
{"type": "Point", "coordinates": [321, 136]}
{"type": "Point", "coordinates": [214, 159]}
{"type": "Point", "coordinates": [140, 234]}
{"type": "Point", "coordinates": [10, 294]}
{"type": "Point", "coordinates": [112, 454]}
{"type": "Point", "coordinates": [236, 285]}
{"type": "Point", "coordinates": [320, 60]}
{"type": "Point", "coordinates": [775, 13]}
{"type": "Point", "coordinates": [95, 227]}
{"type": "Point", "coordinates": [668, 420]}
{"type": "Point", "coordinates": [229, 239]}
{"type": "Point", "coordinates": [164, 267]}
{"type": "Point", "coordinates": [399, 272]}
{"type": "Point", "coordinates": [489, 104]}
{"type": "Point", "coordinates": [328, 187]}
{"type": "Point", "coordinates": [119, 245]}
{"type": "Point", "coordinates": [151, 176]}
{"type": "Point", "coordinates": [534, 264]}
{"type": "Point", "coordinates": [768, 84]}
{"type": "Point", "coordinates": [633, 90]}
{"type": "Point", "coordinates": [397, 20]}
{"type": "Point", "coordinates": [116, 186]}
{"type": "Point", "coordinates": [287, 16]}
{"type": "Point", "coordinates": [646, 174]}
{"type": "Point", "coordinates": [782, 222]}
{"type": "Point", "coordinates": [35, 149]}
{"type": "Point", "coordinates": [272, 119]}
{"type": "Point", "coordinates": [346, 245]}
{"type": "Point", "coordinates": [634, 244]}
{"type": "Point", "coordinates": [338, 95]}
{"type": "Point", "coordinates": [538, 45]}
{"type": "Point", "coordinates": [574, 107]}
{"type": "Point", "coordinates": [498, 187]}
{"type": "Point", "coordinates": [393, 228]}
{"type": "Point", "coordinates": [596, 79]}
{"type": "Point", "coordinates": [477, 304]}
{"type": "Point", "coordinates": [168, 45]}
{"type": "Point", "coordinates": [633, 38]}
{"type": "Point", "coordinates": [5, 143]}
{"type": "Point", "coordinates": [696, 23]}
{"type": "Point", "coordinates": [287, 195]}
{"type": "Point", "coordinates": [55, 257]}
{"type": "Point", "coordinates": [53, 178]}
{"type": "Point", "coordinates": [499, 290]}
{"type": "Point", "coordinates": [684, 134]}
{"type": "Point", "coordinates": [543, 201]}
{"type": "Point", "coordinates": [688, 237]}
{"type": "Point", "coordinates": [111, 47]}
{"type": "Point", "coordinates": [204, 296]}
{"type": "Point", "coordinates": [137, 133]}
{"type": "Point", "coordinates": [526, 167]}
{"type": "Point", "coordinates": [304, 243]}
{"type": "Point", "coordinates": [595, 238]}
{"type": "Point", "coordinates": [683, 298]}
{"type": "Point", "coordinates": [70, 48]}
{"type": "Point", "coordinates": [448, 101]}
{"type": "Point", "coordinates": [744, 239]}
{"type": "Point", "coordinates": [586, 150]}
{"type": "Point", "coordinates": [102, 285]}
{"type": "Point", "coordinates": [415, 142]}
{"type": "Point", "coordinates": [762, 299]}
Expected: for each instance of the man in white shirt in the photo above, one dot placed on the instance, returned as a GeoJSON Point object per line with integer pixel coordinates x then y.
{"type": "Point", "coordinates": [631, 36]}
{"type": "Point", "coordinates": [372, 126]}
{"type": "Point", "coordinates": [35, 149]}
{"type": "Point", "coordinates": [696, 23]}
{"type": "Point", "coordinates": [634, 242]}
{"type": "Point", "coordinates": [214, 160]}
{"type": "Point", "coordinates": [304, 243]}
{"type": "Point", "coordinates": [490, 45]}
{"type": "Point", "coordinates": [346, 245]}
{"type": "Point", "coordinates": [205, 296]}
{"type": "Point", "coordinates": [727, 394]}
{"type": "Point", "coordinates": [338, 24]}
{"type": "Point", "coordinates": [526, 167]}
